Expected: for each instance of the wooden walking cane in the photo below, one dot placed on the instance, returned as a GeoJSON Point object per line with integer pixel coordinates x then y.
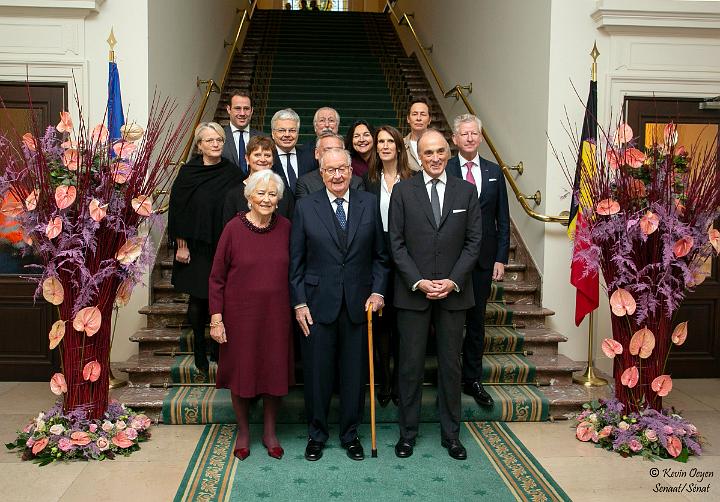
{"type": "Point", "coordinates": [372, 384]}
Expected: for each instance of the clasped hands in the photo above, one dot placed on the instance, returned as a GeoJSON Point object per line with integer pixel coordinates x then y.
{"type": "Point", "coordinates": [436, 289]}
{"type": "Point", "coordinates": [304, 319]}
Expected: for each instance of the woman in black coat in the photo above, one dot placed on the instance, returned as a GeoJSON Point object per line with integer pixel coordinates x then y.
{"type": "Point", "coordinates": [389, 167]}
{"type": "Point", "coordinates": [195, 222]}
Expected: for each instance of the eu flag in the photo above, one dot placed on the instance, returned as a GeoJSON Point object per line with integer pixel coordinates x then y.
{"type": "Point", "coordinates": [115, 118]}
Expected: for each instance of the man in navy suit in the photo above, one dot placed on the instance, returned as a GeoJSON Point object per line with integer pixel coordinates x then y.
{"type": "Point", "coordinates": [492, 195]}
{"type": "Point", "coordinates": [338, 269]}
{"type": "Point", "coordinates": [289, 161]}
{"type": "Point", "coordinates": [240, 111]}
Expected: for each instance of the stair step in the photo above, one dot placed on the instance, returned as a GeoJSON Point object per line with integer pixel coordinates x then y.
{"type": "Point", "coordinates": [529, 316]}
{"type": "Point", "coordinates": [161, 314]}
{"type": "Point", "coordinates": [517, 292]}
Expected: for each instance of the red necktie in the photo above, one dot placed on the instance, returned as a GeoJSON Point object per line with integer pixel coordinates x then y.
{"type": "Point", "coordinates": [469, 176]}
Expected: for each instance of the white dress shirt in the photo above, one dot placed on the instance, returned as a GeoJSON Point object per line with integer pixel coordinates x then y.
{"type": "Point", "coordinates": [293, 159]}
{"type": "Point", "coordinates": [414, 148]}
{"type": "Point", "coordinates": [440, 186]}
{"type": "Point", "coordinates": [475, 171]}
{"type": "Point", "coordinates": [345, 204]}
{"type": "Point", "coordinates": [385, 193]}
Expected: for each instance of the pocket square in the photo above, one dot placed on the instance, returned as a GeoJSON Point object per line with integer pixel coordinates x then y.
{"type": "Point", "coordinates": [492, 179]}
{"type": "Point", "coordinates": [459, 210]}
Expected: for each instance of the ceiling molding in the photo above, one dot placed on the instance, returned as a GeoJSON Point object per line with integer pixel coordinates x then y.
{"type": "Point", "coordinates": [78, 9]}
{"type": "Point", "coordinates": [641, 16]}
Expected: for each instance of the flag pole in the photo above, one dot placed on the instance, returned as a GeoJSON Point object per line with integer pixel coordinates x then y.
{"type": "Point", "coordinates": [588, 378]}
{"type": "Point", "coordinates": [114, 381]}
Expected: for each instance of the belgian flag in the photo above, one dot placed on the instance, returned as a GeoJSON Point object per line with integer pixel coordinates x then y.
{"type": "Point", "coordinates": [587, 288]}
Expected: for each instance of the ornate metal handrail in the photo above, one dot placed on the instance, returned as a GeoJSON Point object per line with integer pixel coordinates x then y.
{"type": "Point", "coordinates": [457, 93]}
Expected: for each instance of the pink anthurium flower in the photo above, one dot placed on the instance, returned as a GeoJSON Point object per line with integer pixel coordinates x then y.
{"type": "Point", "coordinates": [649, 222]}
{"type": "Point", "coordinates": [142, 205]}
{"type": "Point", "coordinates": [607, 207]}
{"type": "Point", "coordinates": [613, 158]}
{"type": "Point", "coordinates": [680, 333]}
{"type": "Point", "coordinates": [69, 144]}
{"type": "Point", "coordinates": [130, 251]}
{"type": "Point", "coordinates": [679, 207]}
{"type": "Point", "coordinates": [123, 293]}
{"type": "Point", "coordinates": [31, 200]}
{"type": "Point", "coordinates": [80, 438]}
{"type": "Point", "coordinates": [124, 148]}
{"type": "Point", "coordinates": [97, 211]}
{"type": "Point", "coordinates": [584, 431]}
{"type": "Point", "coordinates": [100, 134]}
{"type": "Point", "coordinates": [70, 159]}
{"type": "Point", "coordinates": [683, 246]}
{"type": "Point", "coordinates": [65, 124]}
{"type": "Point", "coordinates": [40, 445]}
{"type": "Point", "coordinates": [623, 135]}
{"type": "Point", "coordinates": [121, 440]}
{"type": "Point", "coordinates": [91, 371]}
{"type": "Point", "coordinates": [642, 343]}
{"type": "Point", "coordinates": [52, 290]}
{"type": "Point", "coordinates": [65, 195]}
{"type": "Point", "coordinates": [611, 347]}
{"type": "Point", "coordinates": [634, 157]}
{"type": "Point", "coordinates": [636, 188]}
{"type": "Point", "coordinates": [29, 141]}
{"type": "Point", "coordinates": [674, 446]}
{"type": "Point", "coordinates": [58, 385]}
{"type": "Point", "coordinates": [630, 377]}
{"type": "Point", "coordinates": [57, 333]}
{"type": "Point", "coordinates": [88, 320]}
{"type": "Point", "coordinates": [122, 172]}
{"type": "Point", "coordinates": [54, 227]}
{"type": "Point", "coordinates": [12, 207]}
{"type": "Point", "coordinates": [714, 237]}
{"type": "Point", "coordinates": [662, 385]}
{"type": "Point", "coordinates": [622, 302]}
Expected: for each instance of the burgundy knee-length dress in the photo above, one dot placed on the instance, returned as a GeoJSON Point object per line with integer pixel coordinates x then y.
{"type": "Point", "coordinates": [249, 287]}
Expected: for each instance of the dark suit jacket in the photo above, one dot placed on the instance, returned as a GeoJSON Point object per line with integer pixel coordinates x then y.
{"type": "Point", "coordinates": [421, 250]}
{"type": "Point", "coordinates": [495, 212]}
{"type": "Point", "coordinates": [312, 182]}
{"type": "Point", "coordinates": [321, 274]}
{"type": "Point", "coordinates": [229, 150]}
{"type": "Point", "coordinates": [306, 163]}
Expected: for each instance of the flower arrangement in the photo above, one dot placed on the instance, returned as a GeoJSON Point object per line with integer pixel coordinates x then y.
{"type": "Point", "coordinates": [650, 433]}
{"type": "Point", "coordinates": [55, 435]}
{"type": "Point", "coordinates": [649, 228]}
{"type": "Point", "coordinates": [83, 201]}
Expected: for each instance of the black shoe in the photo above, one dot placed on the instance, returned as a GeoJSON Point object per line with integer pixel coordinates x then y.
{"type": "Point", "coordinates": [455, 448]}
{"type": "Point", "coordinates": [476, 390]}
{"type": "Point", "coordinates": [403, 448]}
{"type": "Point", "coordinates": [354, 449]}
{"type": "Point", "coordinates": [314, 450]}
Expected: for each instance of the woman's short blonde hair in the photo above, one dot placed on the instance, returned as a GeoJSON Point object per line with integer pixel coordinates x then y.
{"type": "Point", "coordinates": [260, 177]}
{"type": "Point", "coordinates": [207, 125]}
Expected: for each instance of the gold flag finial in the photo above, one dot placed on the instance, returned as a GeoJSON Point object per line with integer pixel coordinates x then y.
{"type": "Point", "coordinates": [594, 53]}
{"type": "Point", "coordinates": [111, 42]}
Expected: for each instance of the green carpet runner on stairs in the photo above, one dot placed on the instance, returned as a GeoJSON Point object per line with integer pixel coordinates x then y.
{"type": "Point", "coordinates": [515, 402]}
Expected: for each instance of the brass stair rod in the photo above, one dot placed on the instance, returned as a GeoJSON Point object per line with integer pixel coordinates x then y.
{"type": "Point", "coordinates": [535, 383]}
{"type": "Point", "coordinates": [516, 352]}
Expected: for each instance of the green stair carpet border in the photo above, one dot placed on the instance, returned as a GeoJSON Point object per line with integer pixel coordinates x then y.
{"type": "Point", "coordinates": [499, 466]}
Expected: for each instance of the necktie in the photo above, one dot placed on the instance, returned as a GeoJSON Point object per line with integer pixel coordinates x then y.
{"type": "Point", "coordinates": [340, 213]}
{"type": "Point", "coordinates": [469, 176]}
{"type": "Point", "coordinates": [292, 177]}
{"type": "Point", "coordinates": [435, 201]}
{"type": "Point", "coordinates": [241, 151]}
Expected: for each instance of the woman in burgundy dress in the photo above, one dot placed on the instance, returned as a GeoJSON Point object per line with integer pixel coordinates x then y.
{"type": "Point", "coordinates": [250, 309]}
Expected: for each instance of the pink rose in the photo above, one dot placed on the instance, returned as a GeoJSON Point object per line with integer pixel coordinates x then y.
{"type": "Point", "coordinates": [667, 429]}
{"type": "Point", "coordinates": [144, 420]}
{"type": "Point", "coordinates": [57, 429]}
{"type": "Point", "coordinates": [120, 425]}
{"type": "Point", "coordinates": [30, 442]}
{"type": "Point", "coordinates": [680, 431]}
{"type": "Point", "coordinates": [623, 425]}
{"type": "Point", "coordinates": [102, 443]}
{"type": "Point", "coordinates": [107, 426]}
{"type": "Point", "coordinates": [692, 430]}
{"type": "Point", "coordinates": [65, 444]}
{"type": "Point", "coordinates": [131, 433]}
{"type": "Point", "coordinates": [651, 435]}
{"type": "Point", "coordinates": [605, 431]}
{"type": "Point", "coordinates": [635, 445]}
{"type": "Point", "coordinates": [584, 431]}
{"type": "Point", "coordinates": [29, 427]}
{"type": "Point", "coordinates": [93, 428]}
{"type": "Point", "coordinates": [595, 438]}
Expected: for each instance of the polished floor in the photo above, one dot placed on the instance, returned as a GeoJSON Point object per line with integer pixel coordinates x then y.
{"type": "Point", "coordinates": [154, 473]}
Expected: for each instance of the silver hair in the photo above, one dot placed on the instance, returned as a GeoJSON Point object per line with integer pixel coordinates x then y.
{"type": "Point", "coordinates": [466, 117]}
{"type": "Point", "coordinates": [264, 176]}
{"type": "Point", "coordinates": [328, 134]}
{"type": "Point", "coordinates": [207, 125]}
{"type": "Point", "coordinates": [337, 115]}
{"type": "Point", "coordinates": [285, 114]}
{"type": "Point", "coordinates": [335, 150]}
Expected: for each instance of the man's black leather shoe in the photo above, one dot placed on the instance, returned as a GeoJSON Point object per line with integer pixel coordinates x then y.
{"type": "Point", "coordinates": [476, 390]}
{"type": "Point", "coordinates": [354, 449]}
{"type": "Point", "coordinates": [455, 448]}
{"type": "Point", "coordinates": [403, 448]}
{"type": "Point", "coordinates": [314, 450]}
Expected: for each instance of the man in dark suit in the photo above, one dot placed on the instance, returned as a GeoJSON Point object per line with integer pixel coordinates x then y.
{"type": "Point", "coordinates": [338, 269]}
{"type": "Point", "coordinates": [435, 229]}
{"type": "Point", "coordinates": [289, 162]}
{"type": "Point", "coordinates": [492, 196]}
{"type": "Point", "coordinates": [313, 181]}
{"type": "Point", "coordinates": [240, 111]}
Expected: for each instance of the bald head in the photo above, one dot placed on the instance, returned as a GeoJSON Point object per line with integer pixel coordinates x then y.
{"type": "Point", "coordinates": [434, 152]}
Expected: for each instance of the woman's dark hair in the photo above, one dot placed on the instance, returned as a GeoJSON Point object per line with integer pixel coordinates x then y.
{"type": "Point", "coordinates": [349, 137]}
{"type": "Point", "coordinates": [403, 168]}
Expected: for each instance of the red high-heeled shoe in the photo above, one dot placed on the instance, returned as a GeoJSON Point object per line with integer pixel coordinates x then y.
{"type": "Point", "coordinates": [274, 451]}
{"type": "Point", "coordinates": [241, 453]}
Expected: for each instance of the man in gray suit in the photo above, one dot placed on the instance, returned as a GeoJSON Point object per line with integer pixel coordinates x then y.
{"type": "Point", "coordinates": [435, 233]}
{"type": "Point", "coordinates": [240, 111]}
{"type": "Point", "coordinates": [313, 181]}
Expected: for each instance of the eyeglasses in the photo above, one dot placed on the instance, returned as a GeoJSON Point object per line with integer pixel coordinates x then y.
{"type": "Point", "coordinates": [332, 171]}
{"type": "Point", "coordinates": [283, 132]}
{"type": "Point", "coordinates": [208, 141]}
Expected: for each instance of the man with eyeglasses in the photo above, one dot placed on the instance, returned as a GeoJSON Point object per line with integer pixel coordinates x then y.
{"type": "Point", "coordinates": [313, 181]}
{"type": "Point", "coordinates": [240, 111]}
{"type": "Point", "coordinates": [326, 119]}
{"type": "Point", "coordinates": [290, 162]}
{"type": "Point", "coordinates": [487, 177]}
{"type": "Point", "coordinates": [338, 269]}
